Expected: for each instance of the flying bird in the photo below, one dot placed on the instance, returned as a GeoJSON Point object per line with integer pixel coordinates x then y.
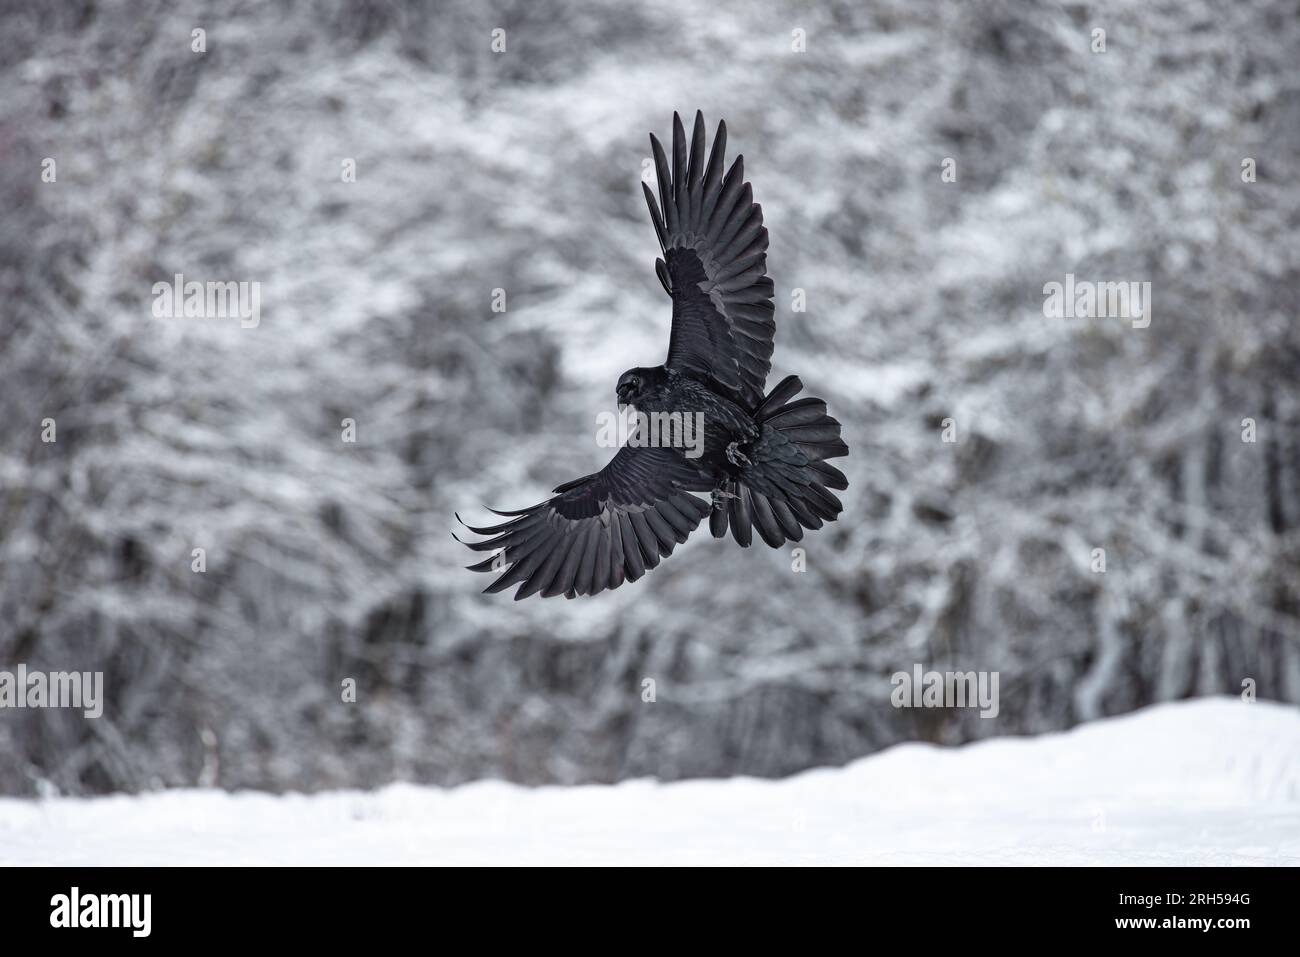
{"type": "Point", "coordinates": [763, 461]}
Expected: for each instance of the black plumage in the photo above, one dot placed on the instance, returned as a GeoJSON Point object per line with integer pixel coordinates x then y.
{"type": "Point", "coordinates": [763, 458]}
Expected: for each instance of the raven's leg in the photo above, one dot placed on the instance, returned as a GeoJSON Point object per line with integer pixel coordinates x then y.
{"type": "Point", "coordinates": [737, 457]}
{"type": "Point", "coordinates": [720, 496]}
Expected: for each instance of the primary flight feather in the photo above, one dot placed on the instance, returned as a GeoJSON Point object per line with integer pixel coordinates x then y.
{"type": "Point", "coordinates": [763, 459]}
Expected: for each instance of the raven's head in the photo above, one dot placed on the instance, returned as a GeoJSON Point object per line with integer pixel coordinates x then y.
{"type": "Point", "coordinates": [634, 384]}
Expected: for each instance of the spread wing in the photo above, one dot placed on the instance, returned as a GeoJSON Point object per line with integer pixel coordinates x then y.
{"type": "Point", "coordinates": [600, 530]}
{"type": "Point", "coordinates": [714, 267]}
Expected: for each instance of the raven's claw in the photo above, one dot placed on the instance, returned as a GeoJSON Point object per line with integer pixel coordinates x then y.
{"type": "Point", "coordinates": [737, 457]}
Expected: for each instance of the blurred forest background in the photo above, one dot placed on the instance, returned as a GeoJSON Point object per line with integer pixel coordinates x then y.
{"type": "Point", "coordinates": [519, 171]}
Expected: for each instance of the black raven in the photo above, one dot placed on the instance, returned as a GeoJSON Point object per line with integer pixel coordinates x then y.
{"type": "Point", "coordinates": [763, 456]}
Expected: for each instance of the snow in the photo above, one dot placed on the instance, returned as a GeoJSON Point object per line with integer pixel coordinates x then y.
{"type": "Point", "coordinates": [1210, 781]}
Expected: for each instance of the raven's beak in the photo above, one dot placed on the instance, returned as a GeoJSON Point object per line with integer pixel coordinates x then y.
{"type": "Point", "coordinates": [622, 407]}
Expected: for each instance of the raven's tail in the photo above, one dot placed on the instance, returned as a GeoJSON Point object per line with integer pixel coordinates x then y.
{"type": "Point", "coordinates": [784, 488]}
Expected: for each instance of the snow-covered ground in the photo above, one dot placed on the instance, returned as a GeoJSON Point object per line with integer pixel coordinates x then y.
{"type": "Point", "coordinates": [1210, 781]}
